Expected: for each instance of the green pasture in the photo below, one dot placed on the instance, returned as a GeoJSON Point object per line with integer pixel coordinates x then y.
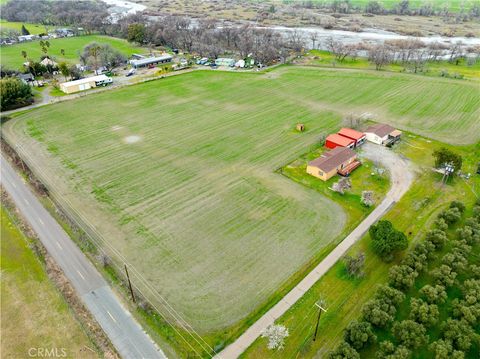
{"type": "Point", "coordinates": [413, 214]}
{"type": "Point", "coordinates": [34, 29]}
{"type": "Point", "coordinates": [180, 175]}
{"type": "Point", "coordinates": [11, 56]}
{"type": "Point", "coordinates": [432, 68]}
{"type": "Point", "coordinates": [34, 314]}
{"type": "Point", "coordinates": [452, 5]}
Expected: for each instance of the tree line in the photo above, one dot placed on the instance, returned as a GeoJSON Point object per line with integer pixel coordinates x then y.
{"type": "Point", "coordinates": [454, 335]}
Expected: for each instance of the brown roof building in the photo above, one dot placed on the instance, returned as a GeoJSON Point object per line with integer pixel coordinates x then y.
{"type": "Point", "coordinates": [340, 159]}
{"type": "Point", "coordinates": [382, 134]}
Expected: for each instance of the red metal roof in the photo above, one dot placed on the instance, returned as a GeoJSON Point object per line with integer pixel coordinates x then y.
{"type": "Point", "coordinates": [339, 140]}
{"type": "Point", "coordinates": [351, 133]}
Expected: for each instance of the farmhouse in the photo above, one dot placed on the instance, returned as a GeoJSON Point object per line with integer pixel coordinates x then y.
{"type": "Point", "coordinates": [85, 84]}
{"type": "Point", "coordinates": [382, 134]}
{"type": "Point", "coordinates": [151, 61]}
{"type": "Point", "coordinates": [335, 140]}
{"type": "Point", "coordinates": [340, 160]}
{"type": "Point", "coordinates": [358, 137]}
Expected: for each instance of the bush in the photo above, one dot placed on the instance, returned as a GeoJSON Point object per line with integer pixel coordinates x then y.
{"type": "Point", "coordinates": [444, 275]}
{"type": "Point", "coordinates": [354, 265]}
{"type": "Point", "coordinates": [14, 93]}
{"type": "Point", "coordinates": [422, 312]}
{"type": "Point", "coordinates": [386, 239]}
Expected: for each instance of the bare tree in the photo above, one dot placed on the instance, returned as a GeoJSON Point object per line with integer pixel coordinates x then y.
{"type": "Point", "coordinates": [314, 39]}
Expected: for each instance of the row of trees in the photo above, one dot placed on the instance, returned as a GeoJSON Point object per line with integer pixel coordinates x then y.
{"type": "Point", "coordinates": [457, 332]}
{"type": "Point", "coordinates": [411, 53]}
{"type": "Point", "coordinates": [400, 7]}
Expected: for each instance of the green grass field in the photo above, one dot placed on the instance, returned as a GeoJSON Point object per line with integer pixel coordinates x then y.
{"type": "Point", "coordinates": [11, 56]}
{"type": "Point", "coordinates": [34, 314]}
{"type": "Point", "coordinates": [453, 5]}
{"type": "Point", "coordinates": [413, 214]}
{"type": "Point", "coordinates": [179, 174]}
{"type": "Point", "coordinates": [34, 29]}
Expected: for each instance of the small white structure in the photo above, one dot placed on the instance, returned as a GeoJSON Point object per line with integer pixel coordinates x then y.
{"type": "Point", "coordinates": [240, 63]}
{"type": "Point", "coordinates": [382, 134]}
{"type": "Point", "coordinates": [48, 62]}
{"type": "Point", "coordinates": [85, 84]}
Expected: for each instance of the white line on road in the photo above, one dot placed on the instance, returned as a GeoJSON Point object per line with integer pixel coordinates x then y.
{"type": "Point", "coordinates": [40, 220]}
{"type": "Point", "coordinates": [111, 316]}
{"type": "Point", "coordinates": [58, 245]}
{"type": "Point", "coordinates": [14, 185]}
{"type": "Point", "coordinates": [26, 201]}
{"type": "Point", "coordinates": [80, 274]}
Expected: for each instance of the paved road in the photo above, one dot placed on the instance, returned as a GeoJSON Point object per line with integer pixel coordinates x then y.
{"type": "Point", "coordinates": [124, 332]}
{"type": "Point", "coordinates": [401, 179]}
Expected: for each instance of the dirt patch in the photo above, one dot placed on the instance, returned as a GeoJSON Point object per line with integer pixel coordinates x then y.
{"type": "Point", "coordinates": [132, 139]}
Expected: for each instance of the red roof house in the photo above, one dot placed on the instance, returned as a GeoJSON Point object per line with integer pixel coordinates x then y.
{"type": "Point", "coordinates": [335, 140]}
{"type": "Point", "coordinates": [358, 137]}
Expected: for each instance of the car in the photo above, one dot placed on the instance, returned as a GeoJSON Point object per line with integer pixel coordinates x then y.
{"type": "Point", "coordinates": [151, 66]}
{"type": "Point", "coordinates": [131, 72]}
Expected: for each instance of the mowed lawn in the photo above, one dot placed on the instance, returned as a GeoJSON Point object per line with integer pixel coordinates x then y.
{"type": "Point", "coordinates": [178, 174]}
{"type": "Point", "coordinates": [34, 314]}
{"type": "Point", "coordinates": [34, 29]}
{"type": "Point", "coordinates": [11, 56]}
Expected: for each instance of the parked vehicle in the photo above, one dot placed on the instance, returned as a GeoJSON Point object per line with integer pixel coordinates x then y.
{"type": "Point", "coordinates": [202, 61]}
{"type": "Point", "coordinates": [131, 72]}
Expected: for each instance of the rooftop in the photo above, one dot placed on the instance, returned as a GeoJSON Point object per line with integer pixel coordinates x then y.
{"type": "Point", "coordinates": [340, 140]}
{"type": "Point", "coordinates": [85, 80]}
{"type": "Point", "coordinates": [332, 159]}
{"type": "Point", "coordinates": [380, 129]}
{"type": "Point", "coordinates": [351, 133]}
{"type": "Point", "coordinates": [150, 60]}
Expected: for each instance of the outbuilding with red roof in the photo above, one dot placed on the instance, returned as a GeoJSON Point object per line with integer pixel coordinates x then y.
{"type": "Point", "coordinates": [335, 140]}
{"type": "Point", "coordinates": [358, 137]}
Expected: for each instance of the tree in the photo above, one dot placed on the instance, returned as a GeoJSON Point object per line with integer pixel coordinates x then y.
{"type": "Point", "coordinates": [63, 67]}
{"type": "Point", "coordinates": [444, 275]}
{"type": "Point", "coordinates": [422, 312]}
{"type": "Point", "coordinates": [136, 33]}
{"type": "Point", "coordinates": [44, 45]}
{"type": "Point", "coordinates": [437, 237]}
{"type": "Point", "coordinates": [14, 93]}
{"type": "Point", "coordinates": [62, 52]}
{"type": "Point", "coordinates": [459, 333]}
{"type": "Point", "coordinates": [450, 215]}
{"type": "Point", "coordinates": [434, 294]}
{"type": "Point", "coordinates": [443, 349]}
{"type": "Point", "coordinates": [97, 55]}
{"type": "Point", "coordinates": [386, 239]}
{"type": "Point", "coordinates": [24, 54]}
{"type": "Point", "coordinates": [444, 156]}
{"type": "Point", "coordinates": [374, 7]}
{"type": "Point", "coordinates": [381, 310]}
{"type": "Point", "coordinates": [276, 335]}
{"type": "Point", "coordinates": [459, 205]}
{"type": "Point", "coordinates": [380, 55]}
{"type": "Point", "coordinates": [402, 276]}
{"type": "Point", "coordinates": [387, 350]}
{"type": "Point", "coordinates": [25, 30]}
{"type": "Point", "coordinates": [409, 333]}
{"type": "Point", "coordinates": [344, 351]}
{"type": "Point", "coordinates": [354, 265]}
{"type": "Point", "coordinates": [359, 334]}
{"type": "Point", "coordinates": [415, 260]}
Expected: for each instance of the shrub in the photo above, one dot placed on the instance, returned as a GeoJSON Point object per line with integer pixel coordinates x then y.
{"type": "Point", "coordinates": [434, 294]}
{"type": "Point", "coordinates": [14, 93]}
{"type": "Point", "coordinates": [437, 237]}
{"type": "Point", "coordinates": [354, 265]}
{"type": "Point", "coordinates": [459, 205]}
{"type": "Point", "coordinates": [451, 215]}
{"type": "Point", "coordinates": [444, 275]}
{"type": "Point", "coordinates": [422, 312]}
{"type": "Point", "coordinates": [344, 351]}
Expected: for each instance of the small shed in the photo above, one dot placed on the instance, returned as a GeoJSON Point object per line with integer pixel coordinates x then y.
{"type": "Point", "coordinates": [224, 61]}
{"type": "Point", "coordinates": [335, 140]}
{"type": "Point", "coordinates": [300, 127]}
{"type": "Point", "coordinates": [151, 61]}
{"type": "Point", "coordinates": [85, 84]}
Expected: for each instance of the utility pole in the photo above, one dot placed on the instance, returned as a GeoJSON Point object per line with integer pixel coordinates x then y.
{"type": "Point", "coordinates": [129, 284]}
{"type": "Point", "coordinates": [449, 169]}
{"type": "Point", "coordinates": [320, 304]}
